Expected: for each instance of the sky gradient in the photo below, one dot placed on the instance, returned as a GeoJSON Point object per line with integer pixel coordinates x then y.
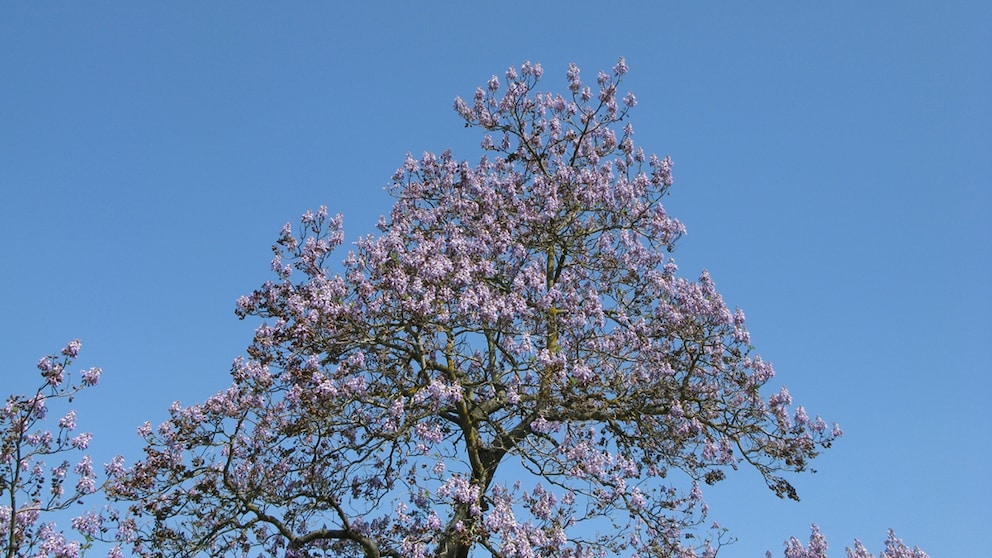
{"type": "Point", "coordinates": [832, 167]}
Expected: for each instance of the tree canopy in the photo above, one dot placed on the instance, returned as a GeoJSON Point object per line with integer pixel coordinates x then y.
{"type": "Point", "coordinates": [512, 366]}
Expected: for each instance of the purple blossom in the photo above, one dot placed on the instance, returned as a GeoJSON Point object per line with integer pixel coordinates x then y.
{"type": "Point", "coordinates": [91, 376]}
{"type": "Point", "coordinates": [71, 350]}
{"type": "Point", "coordinates": [574, 83]}
{"type": "Point", "coordinates": [629, 100]}
{"type": "Point", "coordinates": [38, 409]}
{"type": "Point", "coordinates": [116, 467]}
{"type": "Point", "coordinates": [620, 68]}
{"type": "Point", "coordinates": [82, 441]}
{"type": "Point", "coordinates": [88, 525]}
{"type": "Point", "coordinates": [68, 422]}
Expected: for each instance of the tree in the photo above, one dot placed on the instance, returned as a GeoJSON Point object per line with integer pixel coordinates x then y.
{"type": "Point", "coordinates": [510, 367]}
{"type": "Point", "coordinates": [33, 468]}
{"type": "Point", "coordinates": [894, 548]}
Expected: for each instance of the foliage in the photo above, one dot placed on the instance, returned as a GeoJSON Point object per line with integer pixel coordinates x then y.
{"type": "Point", "coordinates": [510, 366]}
{"type": "Point", "coordinates": [35, 472]}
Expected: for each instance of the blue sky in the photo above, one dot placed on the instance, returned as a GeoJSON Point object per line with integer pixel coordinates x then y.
{"type": "Point", "coordinates": [831, 163]}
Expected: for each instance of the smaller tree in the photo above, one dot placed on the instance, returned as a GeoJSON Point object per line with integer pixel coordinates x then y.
{"type": "Point", "coordinates": [35, 469]}
{"type": "Point", "coordinates": [894, 548]}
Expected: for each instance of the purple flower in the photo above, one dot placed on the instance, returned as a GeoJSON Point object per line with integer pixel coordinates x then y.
{"type": "Point", "coordinates": [71, 350]}
{"type": "Point", "coordinates": [91, 376]}
{"type": "Point", "coordinates": [621, 67]}
{"type": "Point", "coordinates": [82, 441]}
{"type": "Point", "coordinates": [89, 524]}
{"type": "Point", "coordinates": [45, 364]}
{"type": "Point", "coordinates": [116, 467]}
{"type": "Point", "coordinates": [68, 422]}
{"type": "Point", "coordinates": [574, 83]}
{"type": "Point", "coordinates": [38, 408]}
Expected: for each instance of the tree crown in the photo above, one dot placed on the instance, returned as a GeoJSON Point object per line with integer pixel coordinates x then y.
{"type": "Point", "coordinates": [512, 364]}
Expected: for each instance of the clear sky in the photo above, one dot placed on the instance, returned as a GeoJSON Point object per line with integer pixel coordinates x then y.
{"type": "Point", "coordinates": [832, 166]}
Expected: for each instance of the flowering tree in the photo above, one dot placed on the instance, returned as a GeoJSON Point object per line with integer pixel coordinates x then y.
{"type": "Point", "coordinates": [894, 548]}
{"type": "Point", "coordinates": [34, 471]}
{"type": "Point", "coordinates": [510, 367]}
